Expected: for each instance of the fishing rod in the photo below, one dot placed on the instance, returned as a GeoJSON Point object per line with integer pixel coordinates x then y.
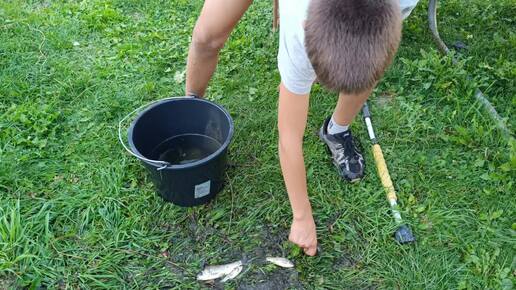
{"type": "Point", "coordinates": [403, 234]}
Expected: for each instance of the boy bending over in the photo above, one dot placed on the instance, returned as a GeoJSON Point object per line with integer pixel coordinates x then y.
{"type": "Point", "coordinates": [346, 44]}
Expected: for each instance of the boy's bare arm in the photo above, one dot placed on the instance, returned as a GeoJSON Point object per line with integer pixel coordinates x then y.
{"type": "Point", "coordinates": [292, 117]}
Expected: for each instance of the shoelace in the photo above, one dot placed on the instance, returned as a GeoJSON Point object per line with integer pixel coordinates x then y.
{"type": "Point", "coordinates": [347, 146]}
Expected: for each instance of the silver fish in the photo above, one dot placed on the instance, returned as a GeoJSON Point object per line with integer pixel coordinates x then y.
{"type": "Point", "coordinates": [232, 274]}
{"type": "Point", "coordinates": [218, 271]}
{"type": "Point", "coordinates": [280, 261]}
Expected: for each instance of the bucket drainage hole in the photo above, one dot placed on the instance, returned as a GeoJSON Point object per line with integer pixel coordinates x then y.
{"type": "Point", "coordinates": [184, 149]}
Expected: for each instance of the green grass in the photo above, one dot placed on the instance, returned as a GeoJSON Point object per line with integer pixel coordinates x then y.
{"type": "Point", "coordinates": [77, 212]}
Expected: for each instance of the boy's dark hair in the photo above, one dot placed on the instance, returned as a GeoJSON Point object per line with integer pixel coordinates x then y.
{"type": "Point", "coordinates": [350, 43]}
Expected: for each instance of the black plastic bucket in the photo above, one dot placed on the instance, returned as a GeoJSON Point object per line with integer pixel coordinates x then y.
{"type": "Point", "coordinates": [182, 123]}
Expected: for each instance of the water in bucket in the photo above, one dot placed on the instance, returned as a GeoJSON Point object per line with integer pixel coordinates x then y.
{"type": "Point", "coordinates": [186, 148]}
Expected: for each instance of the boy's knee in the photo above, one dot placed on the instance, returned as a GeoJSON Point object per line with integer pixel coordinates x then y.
{"type": "Point", "coordinates": [207, 41]}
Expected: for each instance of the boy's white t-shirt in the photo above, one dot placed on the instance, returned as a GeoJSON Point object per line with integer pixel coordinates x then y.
{"type": "Point", "coordinates": [294, 66]}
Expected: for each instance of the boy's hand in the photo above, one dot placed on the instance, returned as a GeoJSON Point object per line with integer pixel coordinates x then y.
{"type": "Point", "coordinates": [303, 234]}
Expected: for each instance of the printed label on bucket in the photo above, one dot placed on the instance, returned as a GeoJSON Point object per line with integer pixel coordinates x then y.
{"type": "Point", "coordinates": [202, 189]}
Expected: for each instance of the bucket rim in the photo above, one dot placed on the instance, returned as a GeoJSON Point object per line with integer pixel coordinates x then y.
{"type": "Point", "coordinates": [159, 164]}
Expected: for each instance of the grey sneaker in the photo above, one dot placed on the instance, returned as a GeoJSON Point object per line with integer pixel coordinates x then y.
{"type": "Point", "coordinates": [344, 153]}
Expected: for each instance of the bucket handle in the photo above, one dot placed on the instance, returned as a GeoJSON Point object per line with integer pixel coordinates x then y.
{"type": "Point", "coordinates": [162, 164]}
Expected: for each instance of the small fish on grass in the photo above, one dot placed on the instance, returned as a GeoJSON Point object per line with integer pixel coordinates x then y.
{"type": "Point", "coordinates": [232, 274]}
{"type": "Point", "coordinates": [228, 271]}
{"type": "Point", "coordinates": [280, 261]}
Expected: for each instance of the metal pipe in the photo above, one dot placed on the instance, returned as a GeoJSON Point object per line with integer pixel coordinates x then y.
{"type": "Point", "coordinates": [489, 108]}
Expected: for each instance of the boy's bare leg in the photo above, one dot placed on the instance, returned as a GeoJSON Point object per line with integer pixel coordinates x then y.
{"type": "Point", "coordinates": [217, 20]}
{"type": "Point", "coordinates": [292, 116]}
{"type": "Point", "coordinates": [348, 107]}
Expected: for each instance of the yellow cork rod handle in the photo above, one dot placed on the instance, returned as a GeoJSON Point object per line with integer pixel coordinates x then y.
{"type": "Point", "coordinates": [383, 172]}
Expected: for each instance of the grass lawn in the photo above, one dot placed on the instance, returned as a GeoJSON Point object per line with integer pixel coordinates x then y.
{"type": "Point", "coordinates": [77, 212]}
